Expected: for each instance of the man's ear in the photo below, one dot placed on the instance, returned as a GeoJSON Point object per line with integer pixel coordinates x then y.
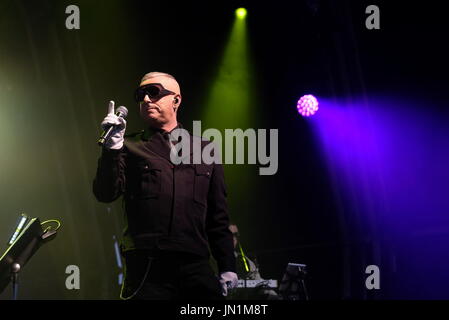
{"type": "Point", "coordinates": [177, 101]}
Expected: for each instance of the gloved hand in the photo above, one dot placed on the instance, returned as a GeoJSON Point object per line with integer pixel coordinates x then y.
{"type": "Point", "coordinates": [228, 280]}
{"type": "Point", "coordinates": [117, 137]}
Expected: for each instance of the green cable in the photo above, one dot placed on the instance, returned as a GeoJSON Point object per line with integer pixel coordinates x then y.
{"type": "Point", "coordinates": [52, 220]}
{"type": "Point", "coordinates": [244, 258]}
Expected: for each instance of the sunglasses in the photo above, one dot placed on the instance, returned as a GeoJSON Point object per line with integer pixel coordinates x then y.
{"type": "Point", "coordinates": [154, 91]}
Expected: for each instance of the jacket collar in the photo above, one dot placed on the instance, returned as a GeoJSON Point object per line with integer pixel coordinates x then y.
{"type": "Point", "coordinates": [157, 140]}
{"type": "Point", "coordinates": [149, 132]}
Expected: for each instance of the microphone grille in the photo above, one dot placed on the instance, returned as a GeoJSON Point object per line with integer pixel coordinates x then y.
{"type": "Point", "coordinates": [123, 111]}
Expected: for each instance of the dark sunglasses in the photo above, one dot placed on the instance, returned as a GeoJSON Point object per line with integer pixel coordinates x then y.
{"type": "Point", "coordinates": [154, 91]}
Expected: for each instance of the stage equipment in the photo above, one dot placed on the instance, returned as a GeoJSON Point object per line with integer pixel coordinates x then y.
{"type": "Point", "coordinates": [307, 106]}
{"type": "Point", "coordinates": [293, 285]}
{"type": "Point", "coordinates": [27, 238]}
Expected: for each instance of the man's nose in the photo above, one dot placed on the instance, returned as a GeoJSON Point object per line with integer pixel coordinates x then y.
{"type": "Point", "coordinates": [147, 99]}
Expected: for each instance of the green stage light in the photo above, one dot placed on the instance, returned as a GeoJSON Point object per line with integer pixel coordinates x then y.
{"type": "Point", "coordinates": [231, 103]}
{"type": "Point", "coordinates": [241, 13]}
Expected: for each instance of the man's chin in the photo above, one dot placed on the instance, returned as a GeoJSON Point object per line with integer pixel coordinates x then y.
{"type": "Point", "coordinates": [152, 120]}
{"type": "Point", "coordinates": [153, 115]}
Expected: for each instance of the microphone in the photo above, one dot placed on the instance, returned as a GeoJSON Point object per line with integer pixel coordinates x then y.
{"type": "Point", "coordinates": [121, 112]}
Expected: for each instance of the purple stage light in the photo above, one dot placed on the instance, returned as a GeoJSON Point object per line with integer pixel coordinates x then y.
{"type": "Point", "coordinates": [307, 105]}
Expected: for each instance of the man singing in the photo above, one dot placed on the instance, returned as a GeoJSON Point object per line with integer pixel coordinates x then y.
{"type": "Point", "coordinates": [175, 214]}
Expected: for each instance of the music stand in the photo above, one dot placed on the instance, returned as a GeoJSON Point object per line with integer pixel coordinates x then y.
{"type": "Point", "coordinates": [293, 285]}
{"type": "Point", "coordinates": [20, 251]}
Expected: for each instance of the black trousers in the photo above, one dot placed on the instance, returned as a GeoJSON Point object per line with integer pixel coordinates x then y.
{"type": "Point", "coordinates": [169, 276]}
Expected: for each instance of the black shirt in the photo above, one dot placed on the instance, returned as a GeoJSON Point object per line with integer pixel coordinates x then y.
{"type": "Point", "coordinates": [168, 207]}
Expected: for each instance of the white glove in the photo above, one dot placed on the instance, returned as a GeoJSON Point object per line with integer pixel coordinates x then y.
{"type": "Point", "coordinates": [228, 280]}
{"type": "Point", "coordinates": [117, 136]}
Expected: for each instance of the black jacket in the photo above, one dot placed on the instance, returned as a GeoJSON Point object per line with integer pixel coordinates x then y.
{"type": "Point", "coordinates": [168, 207]}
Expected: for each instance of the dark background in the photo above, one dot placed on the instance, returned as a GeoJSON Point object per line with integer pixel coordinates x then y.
{"type": "Point", "coordinates": [54, 88]}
